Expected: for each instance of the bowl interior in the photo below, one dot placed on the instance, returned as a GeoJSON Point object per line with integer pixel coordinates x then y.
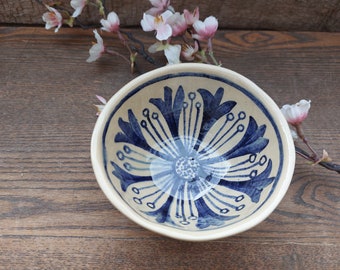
{"type": "Point", "coordinates": [193, 152]}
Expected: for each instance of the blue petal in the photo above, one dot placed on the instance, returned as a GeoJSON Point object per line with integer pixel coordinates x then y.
{"type": "Point", "coordinates": [127, 179]}
{"type": "Point", "coordinates": [253, 187]}
{"type": "Point", "coordinates": [207, 217]}
{"type": "Point", "coordinates": [132, 133]}
{"type": "Point", "coordinates": [251, 143]}
{"type": "Point", "coordinates": [162, 214]}
{"type": "Point", "coordinates": [213, 110]}
{"type": "Point", "coordinates": [170, 110]}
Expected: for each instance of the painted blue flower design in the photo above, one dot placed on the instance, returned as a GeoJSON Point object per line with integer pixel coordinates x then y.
{"type": "Point", "coordinates": [192, 160]}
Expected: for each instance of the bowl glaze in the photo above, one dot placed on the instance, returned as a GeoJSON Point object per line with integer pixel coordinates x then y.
{"type": "Point", "coordinates": [193, 152]}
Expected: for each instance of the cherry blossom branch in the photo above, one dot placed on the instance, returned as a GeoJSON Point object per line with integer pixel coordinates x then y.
{"type": "Point", "coordinates": [326, 164]}
{"type": "Point", "coordinates": [302, 136]}
{"type": "Point", "coordinates": [160, 18]}
{"type": "Point", "coordinates": [141, 50]}
{"type": "Point", "coordinates": [114, 53]}
{"type": "Point", "coordinates": [295, 114]}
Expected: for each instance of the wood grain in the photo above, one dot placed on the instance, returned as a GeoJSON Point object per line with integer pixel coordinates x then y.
{"type": "Point", "coordinates": [53, 214]}
{"type": "Point", "coordinates": [288, 15]}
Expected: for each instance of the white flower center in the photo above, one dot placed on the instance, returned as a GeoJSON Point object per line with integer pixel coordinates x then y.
{"type": "Point", "coordinates": [184, 176]}
{"type": "Point", "coordinates": [187, 167]}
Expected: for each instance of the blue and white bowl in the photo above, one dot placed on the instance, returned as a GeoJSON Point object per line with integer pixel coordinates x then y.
{"type": "Point", "coordinates": [193, 151]}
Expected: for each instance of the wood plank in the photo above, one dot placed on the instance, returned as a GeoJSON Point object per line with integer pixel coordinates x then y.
{"type": "Point", "coordinates": [110, 253]}
{"type": "Point", "coordinates": [52, 210]}
{"type": "Point", "coordinates": [286, 15]}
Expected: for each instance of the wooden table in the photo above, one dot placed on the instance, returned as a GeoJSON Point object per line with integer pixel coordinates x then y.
{"type": "Point", "coordinates": [53, 214]}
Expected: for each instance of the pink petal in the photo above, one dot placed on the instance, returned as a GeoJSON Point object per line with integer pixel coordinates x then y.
{"type": "Point", "coordinates": [156, 3]}
{"type": "Point", "coordinates": [113, 18]}
{"type": "Point", "coordinates": [98, 38]}
{"type": "Point", "coordinates": [211, 24]}
{"type": "Point", "coordinates": [101, 99]}
{"type": "Point", "coordinates": [166, 15]}
{"type": "Point", "coordinates": [199, 26]}
{"type": "Point", "coordinates": [78, 6]}
{"type": "Point", "coordinates": [172, 54]}
{"type": "Point", "coordinates": [164, 31]}
{"type": "Point", "coordinates": [296, 113]}
{"type": "Point", "coordinates": [148, 22]}
{"type": "Point", "coordinates": [191, 18]}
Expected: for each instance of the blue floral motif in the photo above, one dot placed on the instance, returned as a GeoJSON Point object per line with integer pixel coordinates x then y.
{"type": "Point", "coordinates": [184, 155]}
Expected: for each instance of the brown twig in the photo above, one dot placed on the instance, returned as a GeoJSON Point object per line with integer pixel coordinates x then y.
{"type": "Point", "coordinates": [141, 50]}
{"type": "Point", "coordinates": [328, 165]}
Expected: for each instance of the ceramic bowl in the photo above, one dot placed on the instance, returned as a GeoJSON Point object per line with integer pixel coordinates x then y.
{"type": "Point", "coordinates": [193, 152]}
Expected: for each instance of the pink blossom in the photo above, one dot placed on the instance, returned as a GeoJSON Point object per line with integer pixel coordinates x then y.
{"type": "Point", "coordinates": [189, 52]}
{"type": "Point", "coordinates": [97, 49]}
{"type": "Point", "coordinates": [191, 18]}
{"type": "Point", "coordinates": [178, 24]}
{"type": "Point", "coordinates": [325, 158]}
{"type": "Point", "coordinates": [78, 6]}
{"type": "Point", "coordinates": [101, 106]}
{"type": "Point", "coordinates": [159, 6]}
{"type": "Point", "coordinates": [52, 18]}
{"type": "Point", "coordinates": [158, 23]}
{"type": "Point", "coordinates": [205, 30]}
{"type": "Point", "coordinates": [172, 54]}
{"type": "Point", "coordinates": [296, 113]}
{"type": "Point", "coordinates": [112, 22]}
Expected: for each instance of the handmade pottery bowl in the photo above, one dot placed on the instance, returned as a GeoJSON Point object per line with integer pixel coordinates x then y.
{"type": "Point", "coordinates": [193, 151]}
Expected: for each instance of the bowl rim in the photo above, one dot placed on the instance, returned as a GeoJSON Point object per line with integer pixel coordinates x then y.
{"type": "Point", "coordinates": [213, 234]}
